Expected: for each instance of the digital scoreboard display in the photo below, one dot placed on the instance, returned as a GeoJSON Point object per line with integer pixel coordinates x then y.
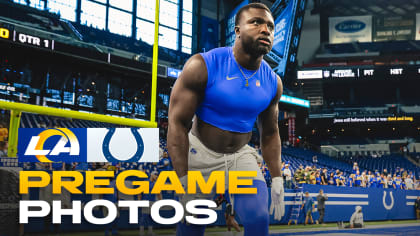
{"type": "Point", "coordinates": [33, 40]}
{"type": "Point", "coordinates": [381, 72]}
{"type": "Point", "coordinates": [26, 39]}
{"type": "Point", "coordinates": [4, 33]}
{"type": "Point", "coordinates": [172, 72]}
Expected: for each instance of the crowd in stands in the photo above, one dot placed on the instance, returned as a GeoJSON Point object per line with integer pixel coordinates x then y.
{"type": "Point", "coordinates": [400, 179]}
{"type": "Point", "coordinates": [4, 133]}
{"type": "Point", "coordinates": [314, 174]}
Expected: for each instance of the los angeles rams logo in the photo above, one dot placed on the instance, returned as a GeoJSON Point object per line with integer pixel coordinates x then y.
{"type": "Point", "coordinates": [36, 145]}
{"type": "Point", "coordinates": [135, 158]}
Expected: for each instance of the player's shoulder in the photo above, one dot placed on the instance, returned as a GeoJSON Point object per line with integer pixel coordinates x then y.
{"type": "Point", "coordinates": [194, 67]}
{"type": "Point", "coordinates": [266, 65]}
{"type": "Point", "coordinates": [268, 68]}
{"type": "Point", "coordinates": [273, 75]}
{"type": "Point", "coordinates": [221, 51]}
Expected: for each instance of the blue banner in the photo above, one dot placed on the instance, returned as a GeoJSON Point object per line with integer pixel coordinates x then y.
{"type": "Point", "coordinates": [376, 203]}
{"type": "Point", "coordinates": [52, 145]}
{"type": "Point", "coordinates": [295, 101]}
{"type": "Point", "coordinates": [282, 28]}
{"type": "Point", "coordinates": [230, 24]}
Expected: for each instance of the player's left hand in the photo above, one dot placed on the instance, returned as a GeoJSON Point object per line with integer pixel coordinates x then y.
{"type": "Point", "coordinates": [232, 223]}
{"type": "Point", "coordinates": [184, 198]}
{"type": "Point", "coordinates": [277, 198]}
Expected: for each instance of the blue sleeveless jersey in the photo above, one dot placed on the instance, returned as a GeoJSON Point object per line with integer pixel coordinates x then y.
{"type": "Point", "coordinates": [228, 103]}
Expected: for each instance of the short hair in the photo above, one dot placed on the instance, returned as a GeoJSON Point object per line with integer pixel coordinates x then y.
{"type": "Point", "coordinates": [248, 6]}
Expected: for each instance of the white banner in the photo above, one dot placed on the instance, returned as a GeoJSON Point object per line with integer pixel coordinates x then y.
{"type": "Point", "coordinates": [418, 26]}
{"type": "Point", "coordinates": [350, 29]}
{"type": "Point", "coordinates": [123, 145]}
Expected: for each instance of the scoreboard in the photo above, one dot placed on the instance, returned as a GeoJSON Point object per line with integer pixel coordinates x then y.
{"type": "Point", "coordinates": [363, 72]}
{"type": "Point", "coordinates": [26, 39]}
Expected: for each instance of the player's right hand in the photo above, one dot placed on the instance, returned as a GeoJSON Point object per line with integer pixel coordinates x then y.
{"type": "Point", "coordinates": [277, 198]}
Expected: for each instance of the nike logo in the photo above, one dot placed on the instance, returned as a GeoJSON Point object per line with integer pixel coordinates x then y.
{"type": "Point", "coordinates": [231, 78]}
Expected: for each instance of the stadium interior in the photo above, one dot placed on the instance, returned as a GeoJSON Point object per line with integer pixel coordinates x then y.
{"type": "Point", "coordinates": [351, 102]}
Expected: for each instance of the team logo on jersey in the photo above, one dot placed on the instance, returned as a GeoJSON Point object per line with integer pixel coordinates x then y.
{"type": "Point", "coordinates": [231, 78]}
{"type": "Point", "coordinates": [258, 83]}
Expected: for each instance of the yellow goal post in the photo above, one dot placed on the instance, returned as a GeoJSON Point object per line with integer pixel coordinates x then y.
{"type": "Point", "coordinates": [17, 109]}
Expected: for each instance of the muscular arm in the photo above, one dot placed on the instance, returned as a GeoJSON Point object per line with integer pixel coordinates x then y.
{"type": "Point", "coordinates": [269, 133]}
{"type": "Point", "coordinates": [186, 95]}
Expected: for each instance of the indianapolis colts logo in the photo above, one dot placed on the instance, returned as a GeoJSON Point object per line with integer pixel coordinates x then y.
{"type": "Point", "coordinates": [135, 158]}
{"type": "Point", "coordinates": [388, 207]}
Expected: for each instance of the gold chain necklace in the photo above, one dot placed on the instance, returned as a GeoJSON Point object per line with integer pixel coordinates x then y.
{"type": "Point", "coordinates": [246, 78]}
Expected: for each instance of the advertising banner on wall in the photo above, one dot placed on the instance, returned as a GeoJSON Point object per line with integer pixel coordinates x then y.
{"type": "Point", "coordinates": [282, 26]}
{"type": "Point", "coordinates": [388, 28]}
{"type": "Point", "coordinates": [362, 72]}
{"type": "Point", "coordinates": [376, 203]}
{"type": "Point", "coordinates": [418, 26]}
{"type": "Point", "coordinates": [350, 29]}
{"type": "Point", "coordinates": [292, 130]}
{"type": "Point", "coordinates": [230, 24]}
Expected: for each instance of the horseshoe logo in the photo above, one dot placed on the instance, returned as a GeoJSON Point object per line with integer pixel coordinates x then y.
{"type": "Point", "coordinates": [135, 158]}
{"type": "Point", "coordinates": [388, 207]}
